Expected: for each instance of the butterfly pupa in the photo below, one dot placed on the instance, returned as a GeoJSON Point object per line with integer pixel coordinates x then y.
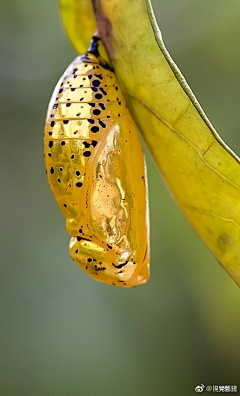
{"type": "Point", "coordinates": [96, 170]}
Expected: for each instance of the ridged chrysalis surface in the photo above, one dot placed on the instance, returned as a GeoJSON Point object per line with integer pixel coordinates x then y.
{"type": "Point", "coordinates": [96, 170]}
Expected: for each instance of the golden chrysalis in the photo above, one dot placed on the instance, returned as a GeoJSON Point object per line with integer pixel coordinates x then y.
{"type": "Point", "coordinates": [96, 170]}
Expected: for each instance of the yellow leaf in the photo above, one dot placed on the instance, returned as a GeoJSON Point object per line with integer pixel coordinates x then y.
{"type": "Point", "coordinates": [80, 24]}
{"type": "Point", "coordinates": [74, 13]}
{"type": "Point", "coordinates": [202, 173]}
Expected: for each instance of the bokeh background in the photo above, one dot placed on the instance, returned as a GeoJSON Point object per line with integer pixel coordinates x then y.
{"type": "Point", "coordinates": [62, 334]}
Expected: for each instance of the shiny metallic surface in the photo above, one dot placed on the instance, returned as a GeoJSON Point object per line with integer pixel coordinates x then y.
{"type": "Point", "coordinates": [96, 169]}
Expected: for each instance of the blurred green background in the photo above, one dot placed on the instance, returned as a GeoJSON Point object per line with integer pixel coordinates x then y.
{"type": "Point", "coordinates": [62, 334]}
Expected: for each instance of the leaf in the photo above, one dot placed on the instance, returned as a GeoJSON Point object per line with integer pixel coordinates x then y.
{"type": "Point", "coordinates": [202, 173]}
{"type": "Point", "coordinates": [80, 24]}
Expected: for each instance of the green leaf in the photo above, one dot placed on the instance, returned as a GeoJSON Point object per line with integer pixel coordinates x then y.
{"type": "Point", "coordinates": [202, 173]}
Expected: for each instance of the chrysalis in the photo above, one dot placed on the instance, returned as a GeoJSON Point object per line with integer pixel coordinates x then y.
{"type": "Point", "coordinates": [96, 170]}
